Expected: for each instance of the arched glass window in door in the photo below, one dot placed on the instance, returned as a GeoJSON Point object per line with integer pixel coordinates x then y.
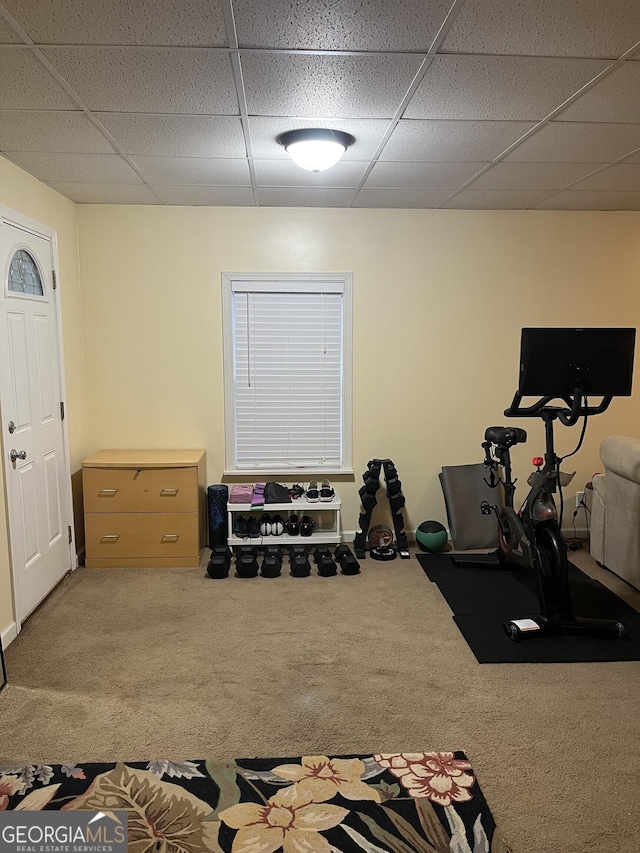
{"type": "Point", "coordinates": [24, 276]}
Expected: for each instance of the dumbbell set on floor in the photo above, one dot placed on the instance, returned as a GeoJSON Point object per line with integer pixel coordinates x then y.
{"type": "Point", "coordinates": [249, 562]}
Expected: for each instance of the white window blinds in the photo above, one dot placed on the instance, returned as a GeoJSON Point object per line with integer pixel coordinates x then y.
{"type": "Point", "coordinates": [288, 374]}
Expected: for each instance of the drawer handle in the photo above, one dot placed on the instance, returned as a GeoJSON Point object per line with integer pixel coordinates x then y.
{"type": "Point", "coordinates": [107, 493]}
{"type": "Point", "coordinates": [168, 492]}
{"type": "Point", "coordinates": [170, 537]}
{"type": "Point", "coordinates": [110, 537]}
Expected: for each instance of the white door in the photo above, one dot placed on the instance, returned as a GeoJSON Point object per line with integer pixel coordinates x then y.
{"type": "Point", "coordinates": [36, 471]}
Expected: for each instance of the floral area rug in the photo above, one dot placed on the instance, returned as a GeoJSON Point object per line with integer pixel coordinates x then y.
{"type": "Point", "coordinates": [383, 803]}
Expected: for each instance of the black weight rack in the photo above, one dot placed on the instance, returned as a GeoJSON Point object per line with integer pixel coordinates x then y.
{"type": "Point", "coordinates": [368, 497]}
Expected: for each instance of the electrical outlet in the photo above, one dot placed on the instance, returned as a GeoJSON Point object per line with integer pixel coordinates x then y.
{"type": "Point", "coordinates": [579, 499]}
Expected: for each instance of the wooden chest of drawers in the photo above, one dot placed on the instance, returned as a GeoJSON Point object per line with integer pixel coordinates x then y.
{"type": "Point", "coordinates": [144, 508]}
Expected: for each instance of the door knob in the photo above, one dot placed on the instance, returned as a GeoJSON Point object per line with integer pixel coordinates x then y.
{"type": "Point", "coordinates": [17, 454]}
{"type": "Point", "coordinates": [11, 427]}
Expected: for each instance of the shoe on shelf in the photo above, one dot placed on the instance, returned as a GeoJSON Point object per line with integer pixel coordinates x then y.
{"type": "Point", "coordinates": [265, 524]}
{"type": "Point", "coordinates": [293, 525]}
{"type": "Point", "coordinates": [253, 527]}
{"type": "Point", "coordinates": [277, 525]}
{"type": "Point", "coordinates": [306, 525]}
{"type": "Point", "coordinates": [240, 527]}
{"type": "Point", "coordinates": [313, 493]}
{"type": "Point", "coordinates": [326, 491]}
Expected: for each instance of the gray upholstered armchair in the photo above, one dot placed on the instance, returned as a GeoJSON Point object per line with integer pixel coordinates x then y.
{"type": "Point", "coordinates": [615, 510]}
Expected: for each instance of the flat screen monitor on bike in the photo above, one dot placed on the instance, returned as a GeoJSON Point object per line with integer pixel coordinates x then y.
{"type": "Point", "coordinates": [554, 361]}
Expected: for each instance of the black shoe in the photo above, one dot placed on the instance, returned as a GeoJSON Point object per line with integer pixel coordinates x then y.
{"type": "Point", "coordinates": [306, 525]}
{"type": "Point", "coordinates": [293, 525]}
{"type": "Point", "coordinates": [313, 493]}
{"type": "Point", "coordinates": [265, 524]}
{"type": "Point", "coordinates": [253, 527]}
{"type": "Point", "coordinates": [240, 527]}
{"type": "Point", "coordinates": [326, 491]}
{"type": "Point", "coordinates": [277, 525]}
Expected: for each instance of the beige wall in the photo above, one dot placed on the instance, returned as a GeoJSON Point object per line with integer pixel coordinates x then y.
{"type": "Point", "coordinates": [23, 194]}
{"type": "Point", "coordinates": [439, 301]}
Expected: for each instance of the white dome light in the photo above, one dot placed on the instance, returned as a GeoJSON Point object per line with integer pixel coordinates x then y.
{"type": "Point", "coordinates": [315, 149]}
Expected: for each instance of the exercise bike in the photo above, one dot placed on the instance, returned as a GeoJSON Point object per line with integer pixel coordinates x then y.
{"type": "Point", "coordinates": [531, 537]}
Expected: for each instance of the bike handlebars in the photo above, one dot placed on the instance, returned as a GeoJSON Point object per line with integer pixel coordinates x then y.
{"type": "Point", "coordinates": [568, 416]}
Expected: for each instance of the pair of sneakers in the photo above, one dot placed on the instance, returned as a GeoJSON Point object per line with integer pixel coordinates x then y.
{"type": "Point", "coordinates": [271, 525]}
{"type": "Point", "coordinates": [245, 528]}
{"type": "Point", "coordinates": [300, 526]}
{"type": "Point", "coordinates": [324, 492]}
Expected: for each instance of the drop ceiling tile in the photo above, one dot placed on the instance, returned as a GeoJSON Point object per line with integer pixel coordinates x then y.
{"type": "Point", "coordinates": [586, 200]}
{"type": "Point", "coordinates": [600, 28]}
{"type": "Point", "coordinates": [176, 135]}
{"type": "Point", "coordinates": [27, 85]}
{"type": "Point", "coordinates": [327, 86]}
{"type": "Point", "coordinates": [577, 142]}
{"type": "Point", "coordinates": [41, 130]}
{"type": "Point", "coordinates": [343, 25]}
{"type": "Point", "coordinates": [162, 22]}
{"type": "Point", "coordinates": [206, 196]}
{"type": "Point", "coordinates": [495, 199]}
{"type": "Point", "coordinates": [532, 176]}
{"type": "Point", "coordinates": [149, 81]}
{"type": "Point", "coordinates": [106, 193]}
{"type": "Point", "coordinates": [298, 197]}
{"type": "Point", "coordinates": [452, 141]}
{"type": "Point", "coordinates": [498, 88]}
{"type": "Point", "coordinates": [77, 168]}
{"type": "Point", "coordinates": [620, 176]}
{"type": "Point", "coordinates": [264, 131]}
{"type": "Point", "coordinates": [193, 170]}
{"type": "Point", "coordinates": [421, 176]}
{"type": "Point", "coordinates": [405, 199]}
{"type": "Point", "coordinates": [7, 34]}
{"type": "Point", "coordinates": [285, 173]}
{"type": "Point", "coordinates": [615, 98]}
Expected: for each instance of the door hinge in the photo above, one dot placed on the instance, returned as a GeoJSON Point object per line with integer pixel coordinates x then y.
{"type": "Point", "coordinates": [61, 410]}
{"type": "Point", "coordinates": [70, 537]}
{"type": "Point", "coordinates": [55, 279]}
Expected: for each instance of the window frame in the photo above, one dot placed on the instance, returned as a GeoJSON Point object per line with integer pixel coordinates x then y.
{"type": "Point", "coordinates": [346, 282]}
{"type": "Point", "coordinates": [21, 294]}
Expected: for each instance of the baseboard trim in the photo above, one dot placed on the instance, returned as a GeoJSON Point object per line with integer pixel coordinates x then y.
{"type": "Point", "coordinates": [567, 532]}
{"type": "Point", "coordinates": [9, 634]}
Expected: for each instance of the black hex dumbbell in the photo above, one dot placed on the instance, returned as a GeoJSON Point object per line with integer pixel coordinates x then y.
{"type": "Point", "coordinates": [246, 565]}
{"type": "Point", "coordinates": [326, 566]}
{"type": "Point", "coordinates": [319, 552]}
{"type": "Point", "coordinates": [348, 563]}
{"type": "Point", "coordinates": [271, 563]}
{"type": "Point", "coordinates": [220, 562]}
{"type": "Point", "coordinates": [300, 566]}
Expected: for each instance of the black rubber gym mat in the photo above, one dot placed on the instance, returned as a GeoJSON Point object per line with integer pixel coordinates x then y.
{"type": "Point", "coordinates": [482, 598]}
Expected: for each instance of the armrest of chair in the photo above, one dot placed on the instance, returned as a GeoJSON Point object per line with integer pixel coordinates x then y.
{"type": "Point", "coordinates": [598, 509]}
{"type": "Point", "coordinates": [620, 454]}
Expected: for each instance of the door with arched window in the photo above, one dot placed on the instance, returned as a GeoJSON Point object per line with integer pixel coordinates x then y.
{"type": "Point", "coordinates": [34, 455]}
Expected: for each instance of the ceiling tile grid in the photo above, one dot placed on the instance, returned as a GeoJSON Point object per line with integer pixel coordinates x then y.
{"type": "Point", "coordinates": [467, 104]}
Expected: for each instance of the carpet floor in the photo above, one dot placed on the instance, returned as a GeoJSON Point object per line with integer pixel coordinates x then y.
{"type": "Point", "coordinates": [406, 802]}
{"type": "Point", "coordinates": [139, 664]}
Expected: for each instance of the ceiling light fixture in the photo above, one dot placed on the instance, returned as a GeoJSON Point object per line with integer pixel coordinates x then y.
{"type": "Point", "coordinates": [315, 148]}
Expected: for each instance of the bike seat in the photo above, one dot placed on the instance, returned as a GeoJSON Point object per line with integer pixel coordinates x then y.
{"type": "Point", "coordinates": [505, 436]}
